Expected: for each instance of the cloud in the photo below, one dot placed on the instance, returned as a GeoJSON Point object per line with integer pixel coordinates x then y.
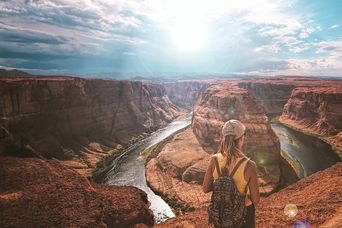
{"type": "Point", "coordinates": [95, 21]}
{"type": "Point", "coordinates": [329, 65]}
{"type": "Point", "coordinates": [298, 49]}
{"type": "Point", "coordinates": [334, 48]}
{"type": "Point", "coordinates": [334, 26]}
{"type": "Point", "coordinates": [306, 32]}
{"type": "Point", "coordinates": [249, 35]}
{"type": "Point", "coordinates": [272, 48]}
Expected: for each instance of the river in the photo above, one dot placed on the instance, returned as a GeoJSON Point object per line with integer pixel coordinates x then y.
{"type": "Point", "coordinates": [309, 153]}
{"type": "Point", "coordinates": [129, 168]}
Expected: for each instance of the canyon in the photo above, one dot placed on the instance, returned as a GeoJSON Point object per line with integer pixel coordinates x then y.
{"type": "Point", "coordinates": [52, 129]}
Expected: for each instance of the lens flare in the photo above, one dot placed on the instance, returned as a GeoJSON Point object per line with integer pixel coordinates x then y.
{"type": "Point", "coordinates": [290, 210]}
{"type": "Point", "coordinates": [301, 224]}
{"type": "Point", "coordinates": [231, 110]}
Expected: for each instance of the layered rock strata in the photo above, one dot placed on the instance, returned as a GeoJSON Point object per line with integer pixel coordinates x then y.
{"type": "Point", "coordinates": [78, 120]}
{"type": "Point", "coordinates": [317, 197]}
{"type": "Point", "coordinates": [44, 193]}
{"type": "Point", "coordinates": [316, 111]}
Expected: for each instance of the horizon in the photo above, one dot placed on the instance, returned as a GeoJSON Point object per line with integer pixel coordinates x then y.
{"type": "Point", "coordinates": [172, 38]}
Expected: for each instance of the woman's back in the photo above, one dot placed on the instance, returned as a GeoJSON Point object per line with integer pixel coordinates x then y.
{"type": "Point", "coordinates": [239, 176]}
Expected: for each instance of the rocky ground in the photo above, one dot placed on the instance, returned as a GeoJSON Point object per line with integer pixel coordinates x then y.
{"type": "Point", "coordinates": [44, 193]}
{"type": "Point", "coordinates": [318, 199]}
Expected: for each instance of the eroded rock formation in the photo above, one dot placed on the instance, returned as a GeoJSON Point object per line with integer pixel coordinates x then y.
{"type": "Point", "coordinates": [317, 111]}
{"type": "Point", "coordinates": [78, 120]}
{"type": "Point", "coordinates": [44, 193]}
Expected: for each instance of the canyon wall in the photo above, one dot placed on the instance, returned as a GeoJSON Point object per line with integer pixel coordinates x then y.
{"type": "Point", "coordinates": [186, 93]}
{"type": "Point", "coordinates": [78, 120]}
{"type": "Point", "coordinates": [227, 101]}
{"type": "Point", "coordinates": [271, 95]}
{"type": "Point", "coordinates": [44, 193]}
{"type": "Point", "coordinates": [316, 111]}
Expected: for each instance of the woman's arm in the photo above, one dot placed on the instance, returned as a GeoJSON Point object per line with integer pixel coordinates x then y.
{"type": "Point", "coordinates": [208, 178]}
{"type": "Point", "coordinates": [253, 182]}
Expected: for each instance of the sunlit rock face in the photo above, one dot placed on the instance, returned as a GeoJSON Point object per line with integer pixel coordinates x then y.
{"type": "Point", "coordinates": [318, 111]}
{"type": "Point", "coordinates": [186, 93]}
{"type": "Point", "coordinates": [226, 101]}
{"type": "Point", "coordinates": [83, 119]}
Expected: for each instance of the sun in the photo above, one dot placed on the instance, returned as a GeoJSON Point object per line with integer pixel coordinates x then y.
{"type": "Point", "coordinates": [189, 21]}
{"type": "Point", "coordinates": [189, 36]}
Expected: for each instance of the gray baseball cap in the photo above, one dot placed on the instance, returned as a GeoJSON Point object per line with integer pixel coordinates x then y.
{"type": "Point", "coordinates": [233, 127]}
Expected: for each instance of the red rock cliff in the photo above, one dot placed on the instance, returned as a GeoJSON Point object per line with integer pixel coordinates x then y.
{"type": "Point", "coordinates": [317, 111]}
{"type": "Point", "coordinates": [78, 119]}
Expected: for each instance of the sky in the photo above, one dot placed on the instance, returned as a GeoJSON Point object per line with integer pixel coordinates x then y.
{"type": "Point", "coordinates": [247, 37]}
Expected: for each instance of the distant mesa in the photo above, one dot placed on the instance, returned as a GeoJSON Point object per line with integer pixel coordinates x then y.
{"type": "Point", "coordinates": [13, 73]}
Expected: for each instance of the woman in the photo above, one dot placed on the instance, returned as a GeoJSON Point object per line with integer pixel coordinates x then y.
{"type": "Point", "coordinates": [229, 155]}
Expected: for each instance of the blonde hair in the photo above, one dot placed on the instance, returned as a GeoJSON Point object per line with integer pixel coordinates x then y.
{"type": "Point", "coordinates": [229, 147]}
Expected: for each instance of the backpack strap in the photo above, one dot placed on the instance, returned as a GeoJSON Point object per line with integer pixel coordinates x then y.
{"type": "Point", "coordinates": [237, 166]}
{"type": "Point", "coordinates": [217, 166]}
{"type": "Point", "coordinates": [246, 188]}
